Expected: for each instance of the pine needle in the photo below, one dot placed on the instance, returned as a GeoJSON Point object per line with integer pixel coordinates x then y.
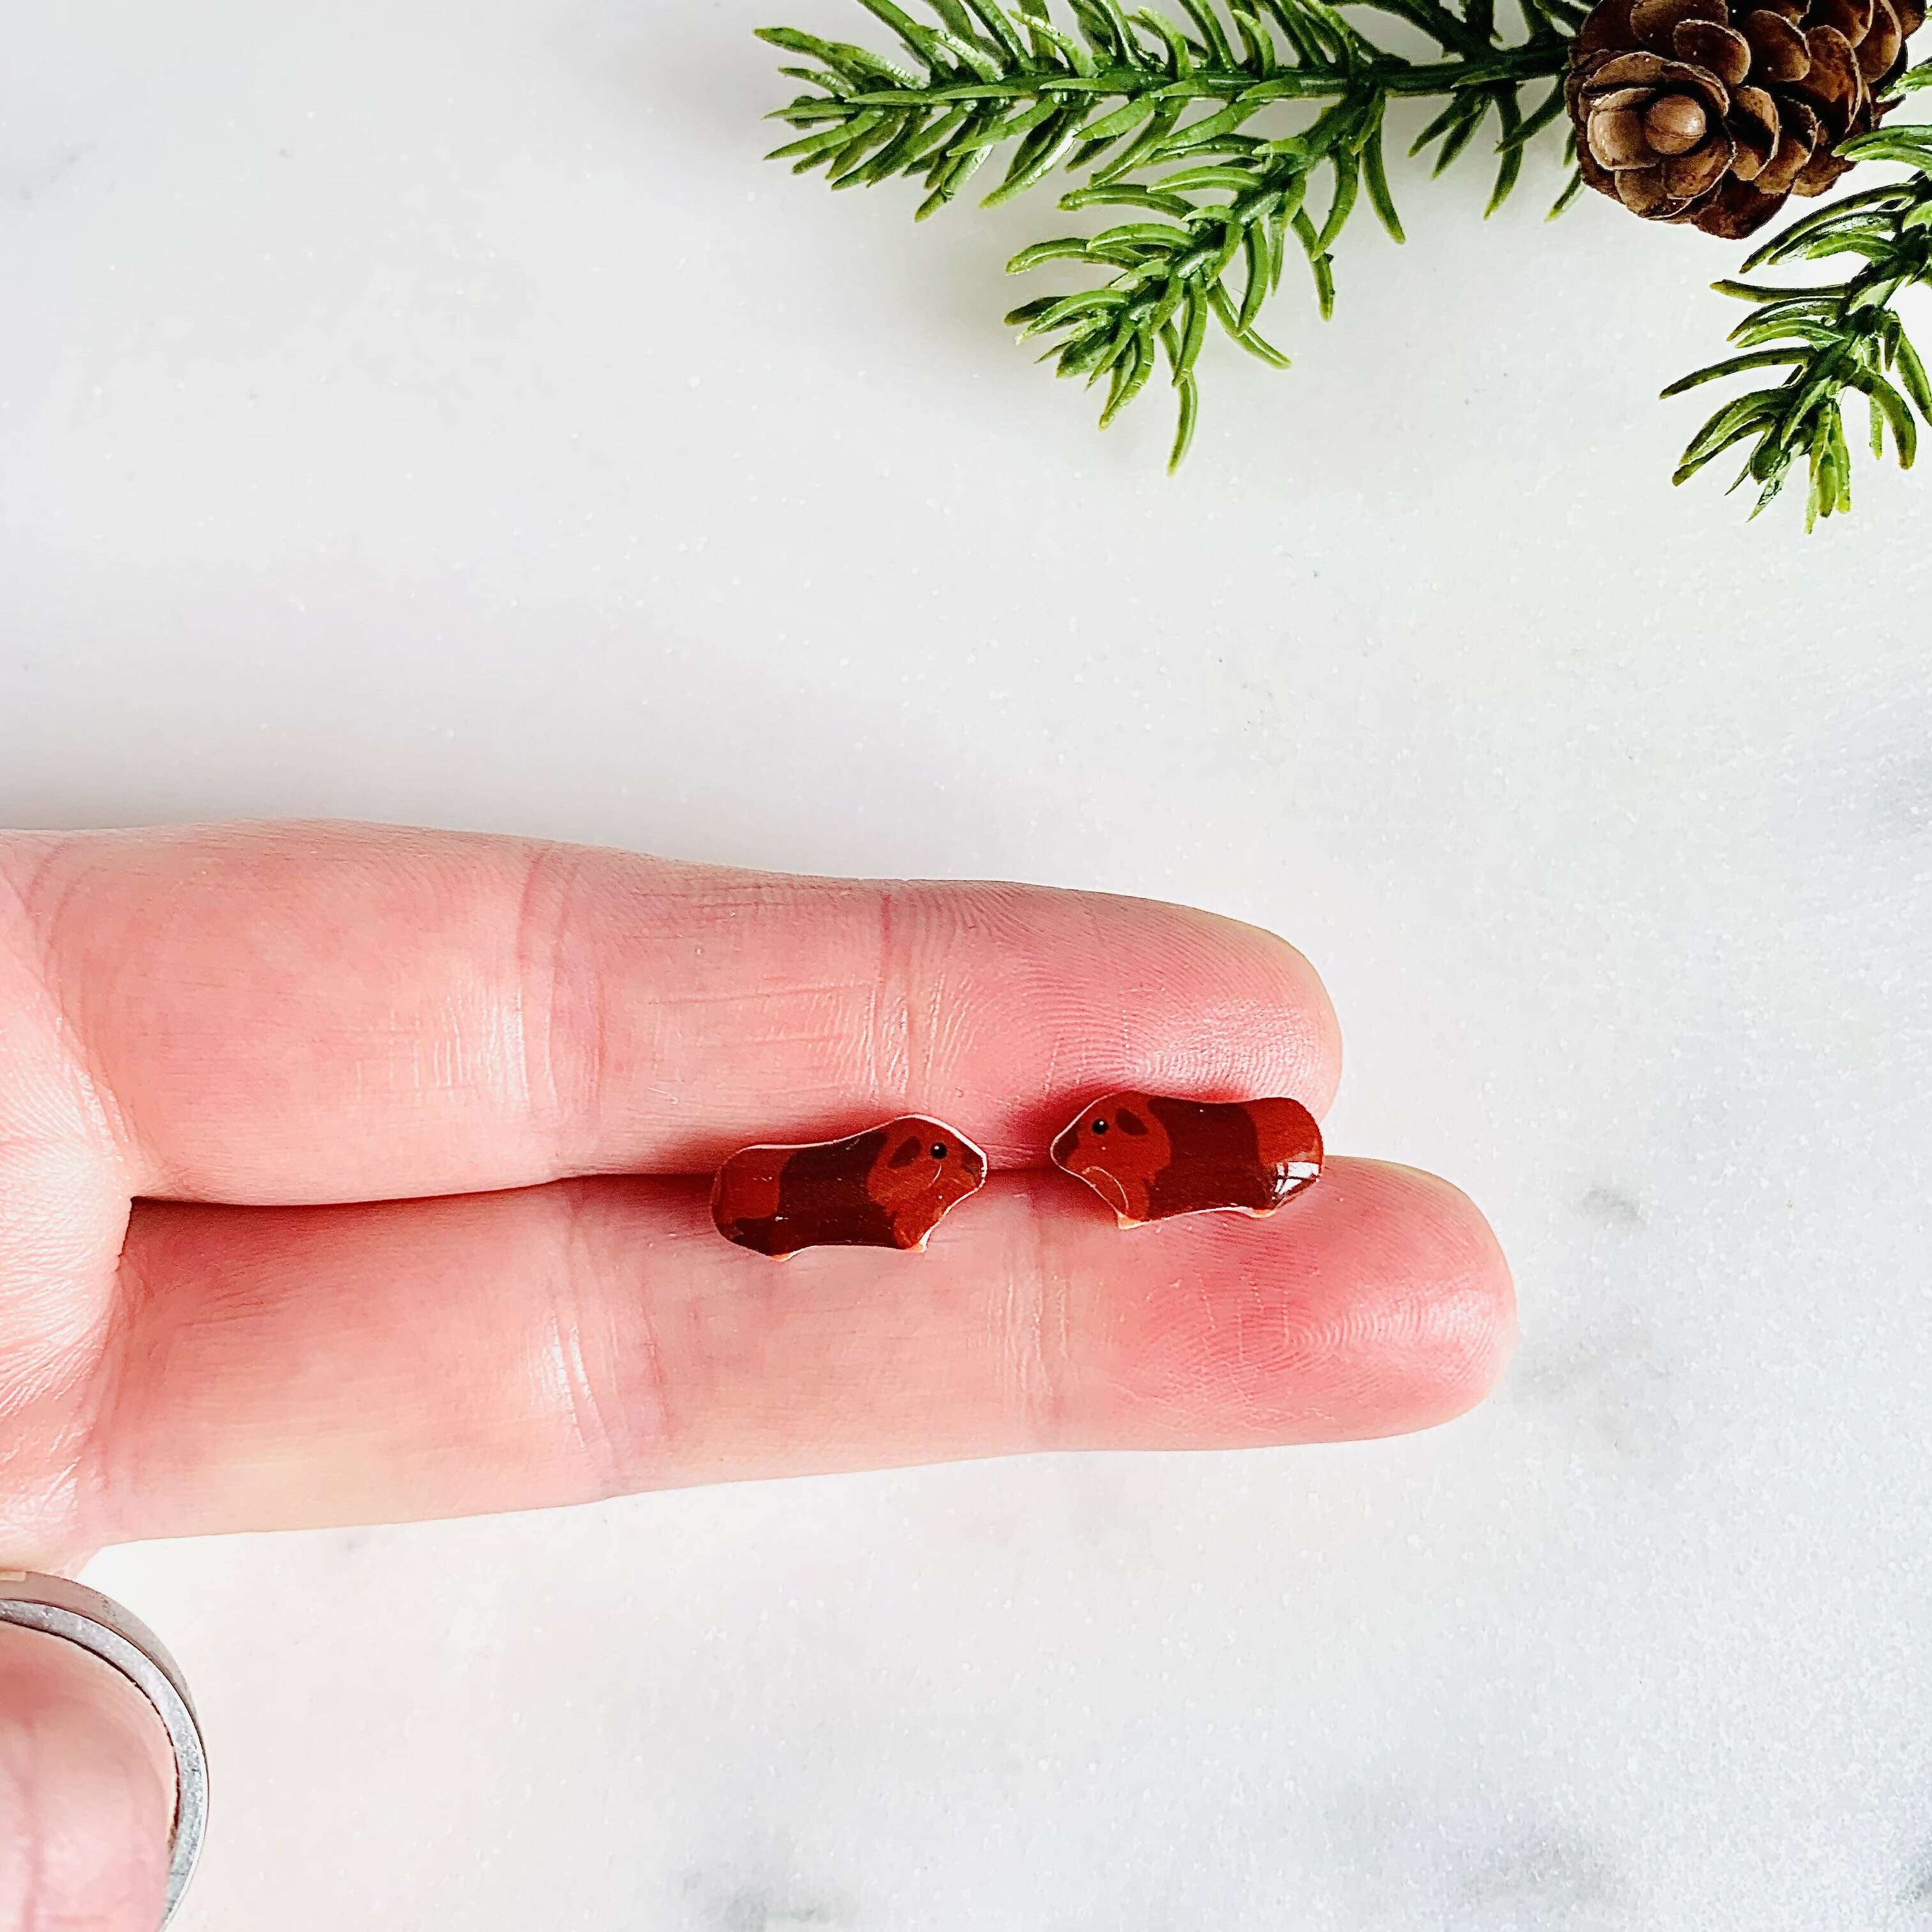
{"type": "Point", "coordinates": [1157, 113]}
{"type": "Point", "coordinates": [1829, 337]}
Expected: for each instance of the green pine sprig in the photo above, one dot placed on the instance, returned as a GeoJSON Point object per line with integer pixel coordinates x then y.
{"type": "Point", "coordinates": [1157, 115]}
{"type": "Point", "coordinates": [1832, 337]}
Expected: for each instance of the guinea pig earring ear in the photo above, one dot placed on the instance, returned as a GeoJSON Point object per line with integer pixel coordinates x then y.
{"type": "Point", "coordinates": [1149, 1155]}
{"type": "Point", "coordinates": [888, 1187]}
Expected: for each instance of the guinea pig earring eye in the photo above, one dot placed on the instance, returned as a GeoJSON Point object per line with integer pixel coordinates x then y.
{"type": "Point", "coordinates": [939, 1150]}
{"type": "Point", "coordinates": [1100, 1126]}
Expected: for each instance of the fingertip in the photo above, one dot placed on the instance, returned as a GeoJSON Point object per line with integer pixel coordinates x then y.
{"type": "Point", "coordinates": [1084, 994]}
{"type": "Point", "coordinates": [1377, 1304]}
{"type": "Point", "coordinates": [1461, 1300]}
{"type": "Point", "coordinates": [1303, 995]}
{"type": "Point", "coordinates": [88, 1783]}
{"type": "Point", "coordinates": [1259, 987]}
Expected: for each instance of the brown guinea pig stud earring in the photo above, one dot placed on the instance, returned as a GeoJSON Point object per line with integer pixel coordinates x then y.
{"type": "Point", "coordinates": [1148, 1157]}
{"type": "Point", "coordinates": [888, 1187]}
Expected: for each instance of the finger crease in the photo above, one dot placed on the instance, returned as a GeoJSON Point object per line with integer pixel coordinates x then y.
{"type": "Point", "coordinates": [1040, 1340]}
{"type": "Point", "coordinates": [541, 1026]}
{"type": "Point", "coordinates": [891, 1040]}
{"type": "Point", "coordinates": [614, 1389]}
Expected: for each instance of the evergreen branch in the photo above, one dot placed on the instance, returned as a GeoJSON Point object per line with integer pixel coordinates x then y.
{"type": "Point", "coordinates": [1832, 338]}
{"type": "Point", "coordinates": [1153, 112]}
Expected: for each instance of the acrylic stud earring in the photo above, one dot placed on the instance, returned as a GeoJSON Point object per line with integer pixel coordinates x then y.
{"type": "Point", "coordinates": [1149, 1156]}
{"type": "Point", "coordinates": [888, 1187]}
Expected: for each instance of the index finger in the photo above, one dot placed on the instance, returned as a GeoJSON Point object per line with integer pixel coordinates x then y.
{"type": "Point", "coordinates": [315, 1013]}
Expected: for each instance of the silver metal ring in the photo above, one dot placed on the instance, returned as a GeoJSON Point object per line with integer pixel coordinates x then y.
{"type": "Point", "coordinates": [100, 1624]}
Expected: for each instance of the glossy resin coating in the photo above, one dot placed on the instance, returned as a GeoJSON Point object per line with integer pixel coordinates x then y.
{"type": "Point", "coordinates": [888, 1187]}
{"type": "Point", "coordinates": [1148, 1157]}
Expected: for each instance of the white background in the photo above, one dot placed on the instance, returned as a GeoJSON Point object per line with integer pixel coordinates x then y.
{"type": "Point", "coordinates": [439, 412]}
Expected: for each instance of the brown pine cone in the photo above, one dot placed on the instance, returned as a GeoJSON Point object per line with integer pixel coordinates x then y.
{"type": "Point", "coordinates": [1685, 116]}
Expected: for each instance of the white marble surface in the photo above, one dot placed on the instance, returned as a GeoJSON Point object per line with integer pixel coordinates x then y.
{"type": "Point", "coordinates": [438, 412]}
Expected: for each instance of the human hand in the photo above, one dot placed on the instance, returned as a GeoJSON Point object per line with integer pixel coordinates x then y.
{"type": "Point", "coordinates": [350, 1174]}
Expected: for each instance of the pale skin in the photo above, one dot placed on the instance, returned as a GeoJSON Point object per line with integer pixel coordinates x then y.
{"type": "Point", "coordinates": [352, 1174]}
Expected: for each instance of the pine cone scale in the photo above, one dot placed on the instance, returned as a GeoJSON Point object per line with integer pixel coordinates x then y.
{"type": "Point", "coordinates": [1777, 48]}
{"type": "Point", "coordinates": [1797, 142]}
{"type": "Point", "coordinates": [1686, 177]}
{"type": "Point", "coordinates": [1723, 50]}
{"type": "Point", "coordinates": [1832, 84]}
{"type": "Point", "coordinates": [1654, 22]}
{"type": "Point", "coordinates": [1880, 47]}
{"type": "Point", "coordinates": [1757, 130]}
{"type": "Point", "coordinates": [1684, 115]}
